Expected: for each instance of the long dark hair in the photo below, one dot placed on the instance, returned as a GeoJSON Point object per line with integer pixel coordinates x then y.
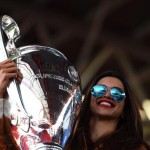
{"type": "Point", "coordinates": [131, 123]}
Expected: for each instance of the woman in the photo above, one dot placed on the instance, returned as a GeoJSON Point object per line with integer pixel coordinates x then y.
{"type": "Point", "coordinates": [109, 118]}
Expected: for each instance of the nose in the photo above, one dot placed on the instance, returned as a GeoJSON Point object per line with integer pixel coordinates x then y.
{"type": "Point", "coordinates": [107, 94]}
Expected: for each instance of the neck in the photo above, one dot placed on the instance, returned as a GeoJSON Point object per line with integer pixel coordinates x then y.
{"type": "Point", "coordinates": [100, 128]}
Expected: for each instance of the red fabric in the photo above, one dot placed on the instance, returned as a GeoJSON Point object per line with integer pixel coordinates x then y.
{"type": "Point", "coordinates": [45, 137]}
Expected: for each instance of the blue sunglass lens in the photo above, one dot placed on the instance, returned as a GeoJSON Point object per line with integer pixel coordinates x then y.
{"type": "Point", "coordinates": [98, 90]}
{"type": "Point", "coordinates": [117, 94]}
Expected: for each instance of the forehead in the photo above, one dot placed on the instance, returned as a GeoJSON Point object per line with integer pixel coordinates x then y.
{"type": "Point", "coordinates": [111, 82]}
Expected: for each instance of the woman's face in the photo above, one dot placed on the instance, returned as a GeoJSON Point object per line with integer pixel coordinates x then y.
{"type": "Point", "coordinates": [105, 107]}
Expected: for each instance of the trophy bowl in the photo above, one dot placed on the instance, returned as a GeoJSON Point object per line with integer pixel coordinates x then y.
{"type": "Point", "coordinates": [48, 98]}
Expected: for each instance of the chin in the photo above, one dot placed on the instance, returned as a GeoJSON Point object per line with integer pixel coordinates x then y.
{"type": "Point", "coordinates": [106, 116]}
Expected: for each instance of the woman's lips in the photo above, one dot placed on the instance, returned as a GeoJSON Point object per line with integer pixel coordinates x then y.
{"type": "Point", "coordinates": [106, 103]}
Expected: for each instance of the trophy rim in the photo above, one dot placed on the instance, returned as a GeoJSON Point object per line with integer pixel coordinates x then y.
{"type": "Point", "coordinates": [30, 48]}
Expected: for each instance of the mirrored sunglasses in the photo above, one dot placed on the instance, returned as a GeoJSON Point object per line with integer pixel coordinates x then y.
{"type": "Point", "coordinates": [116, 93]}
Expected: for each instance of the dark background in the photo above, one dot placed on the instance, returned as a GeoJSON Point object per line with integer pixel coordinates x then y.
{"type": "Point", "coordinates": [95, 35]}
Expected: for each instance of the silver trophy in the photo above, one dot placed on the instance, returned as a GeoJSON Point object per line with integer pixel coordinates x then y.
{"type": "Point", "coordinates": [44, 105]}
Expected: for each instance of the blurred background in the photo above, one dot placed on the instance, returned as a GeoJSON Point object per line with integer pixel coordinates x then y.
{"type": "Point", "coordinates": [95, 35]}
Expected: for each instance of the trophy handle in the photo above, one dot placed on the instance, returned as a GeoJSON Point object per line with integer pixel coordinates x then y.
{"type": "Point", "coordinates": [11, 30]}
{"type": "Point", "coordinates": [3, 54]}
{"type": "Point", "coordinates": [10, 27]}
{"type": "Point", "coordinates": [9, 50]}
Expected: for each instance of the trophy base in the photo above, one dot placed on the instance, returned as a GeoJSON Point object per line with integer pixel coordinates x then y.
{"type": "Point", "coordinates": [48, 146]}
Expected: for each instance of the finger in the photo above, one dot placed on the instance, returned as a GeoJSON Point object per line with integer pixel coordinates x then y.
{"type": "Point", "coordinates": [8, 76]}
{"type": "Point", "coordinates": [7, 63]}
{"type": "Point", "coordinates": [11, 70]}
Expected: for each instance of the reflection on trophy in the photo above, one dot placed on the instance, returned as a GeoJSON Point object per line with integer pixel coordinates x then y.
{"type": "Point", "coordinates": [42, 108]}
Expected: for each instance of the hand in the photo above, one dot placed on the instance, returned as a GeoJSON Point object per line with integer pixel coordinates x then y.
{"type": "Point", "coordinates": [8, 72]}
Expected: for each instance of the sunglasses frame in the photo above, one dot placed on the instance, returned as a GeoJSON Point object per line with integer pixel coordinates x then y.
{"type": "Point", "coordinates": [109, 89]}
